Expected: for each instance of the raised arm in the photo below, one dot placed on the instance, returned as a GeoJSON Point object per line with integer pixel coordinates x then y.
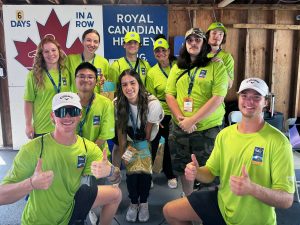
{"type": "Point", "coordinates": [28, 111]}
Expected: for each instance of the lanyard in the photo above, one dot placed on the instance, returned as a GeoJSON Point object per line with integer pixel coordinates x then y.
{"type": "Point", "coordinates": [82, 122]}
{"type": "Point", "coordinates": [162, 70]}
{"type": "Point", "coordinates": [137, 66]}
{"type": "Point", "coordinates": [192, 79]}
{"type": "Point", "coordinates": [56, 88]}
{"type": "Point", "coordinates": [217, 52]}
{"type": "Point", "coordinates": [83, 59]}
{"type": "Point", "coordinates": [134, 123]}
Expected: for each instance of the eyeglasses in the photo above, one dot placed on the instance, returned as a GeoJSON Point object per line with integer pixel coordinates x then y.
{"type": "Point", "coordinates": [162, 50]}
{"type": "Point", "coordinates": [255, 98]}
{"type": "Point", "coordinates": [62, 112]}
{"type": "Point", "coordinates": [191, 40]}
{"type": "Point", "coordinates": [86, 77]}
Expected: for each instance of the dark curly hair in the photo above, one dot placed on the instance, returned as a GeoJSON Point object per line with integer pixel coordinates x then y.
{"type": "Point", "coordinates": [122, 104]}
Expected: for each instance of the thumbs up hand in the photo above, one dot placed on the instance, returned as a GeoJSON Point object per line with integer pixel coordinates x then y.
{"type": "Point", "coordinates": [102, 168]}
{"type": "Point", "coordinates": [191, 169]}
{"type": "Point", "coordinates": [41, 180]}
{"type": "Point", "coordinates": [241, 185]}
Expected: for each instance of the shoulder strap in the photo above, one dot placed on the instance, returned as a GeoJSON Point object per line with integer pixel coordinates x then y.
{"type": "Point", "coordinates": [183, 72]}
{"type": "Point", "coordinates": [84, 144]}
{"type": "Point", "coordinates": [42, 147]}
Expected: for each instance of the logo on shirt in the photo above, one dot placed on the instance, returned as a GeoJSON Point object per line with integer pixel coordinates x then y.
{"type": "Point", "coordinates": [143, 71]}
{"type": "Point", "coordinates": [202, 74]}
{"type": "Point", "coordinates": [64, 81]}
{"type": "Point", "coordinates": [80, 161]}
{"type": "Point", "coordinates": [96, 120]}
{"type": "Point", "coordinates": [258, 155]}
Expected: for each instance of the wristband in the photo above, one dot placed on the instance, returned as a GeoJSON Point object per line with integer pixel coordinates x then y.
{"type": "Point", "coordinates": [30, 179]}
{"type": "Point", "coordinates": [112, 171]}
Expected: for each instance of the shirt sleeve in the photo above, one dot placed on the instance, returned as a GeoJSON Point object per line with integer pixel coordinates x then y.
{"type": "Point", "coordinates": [108, 122]}
{"type": "Point", "coordinates": [29, 94]}
{"type": "Point", "coordinates": [156, 112]}
{"type": "Point", "coordinates": [220, 85]}
{"type": "Point", "coordinates": [149, 83]}
{"type": "Point", "coordinates": [171, 82]}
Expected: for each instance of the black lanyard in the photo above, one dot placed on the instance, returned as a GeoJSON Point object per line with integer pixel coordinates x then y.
{"type": "Point", "coordinates": [192, 79]}
{"type": "Point", "coordinates": [162, 70]}
{"type": "Point", "coordinates": [217, 52]}
{"type": "Point", "coordinates": [83, 59]}
{"type": "Point", "coordinates": [82, 122]}
{"type": "Point", "coordinates": [134, 123]}
{"type": "Point", "coordinates": [136, 65]}
{"type": "Point", "coordinates": [56, 88]}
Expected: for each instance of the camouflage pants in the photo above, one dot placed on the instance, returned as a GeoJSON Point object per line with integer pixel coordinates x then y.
{"type": "Point", "coordinates": [182, 145]}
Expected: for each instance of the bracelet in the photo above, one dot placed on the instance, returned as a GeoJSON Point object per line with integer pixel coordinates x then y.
{"type": "Point", "coordinates": [112, 171]}
{"type": "Point", "coordinates": [30, 179]}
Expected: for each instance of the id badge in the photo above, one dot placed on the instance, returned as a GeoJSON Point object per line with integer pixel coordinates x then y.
{"type": "Point", "coordinates": [127, 155]}
{"type": "Point", "coordinates": [188, 104]}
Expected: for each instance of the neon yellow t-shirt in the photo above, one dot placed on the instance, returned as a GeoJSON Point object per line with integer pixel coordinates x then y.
{"type": "Point", "coordinates": [156, 85]}
{"type": "Point", "coordinates": [209, 81]}
{"type": "Point", "coordinates": [100, 120]}
{"type": "Point", "coordinates": [118, 66]}
{"type": "Point", "coordinates": [99, 62]}
{"type": "Point", "coordinates": [42, 98]}
{"type": "Point", "coordinates": [268, 158]}
{"type": "Point", "coordinates": [54, 205]}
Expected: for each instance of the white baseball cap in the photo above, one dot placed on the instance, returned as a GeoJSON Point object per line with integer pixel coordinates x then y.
{"type": "Point", "coordinates": [65, 99]}
{"type": "Point", "coordinates": [256, 84]}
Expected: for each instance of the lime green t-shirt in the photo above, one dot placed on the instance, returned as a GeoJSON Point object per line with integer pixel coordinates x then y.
{"type": "Point", "coordinates": [100, 120]}
{"type": "Point", "coordinates": [209, 81]}
{"type": "Point", "coordinates": [99, 62]}
{"type": "Point", "coordinates": [68, 163]}
{"type": "Point", "coordinates": [42, 98]}
{"type": "Point", "coordinates": [118, 66]}
{"type": "Point", "coordinates": [268, 158]}
{"type": "Point", "coordinates": [156, 84]}
{"type": "Point", "coordinates": [228, 62]}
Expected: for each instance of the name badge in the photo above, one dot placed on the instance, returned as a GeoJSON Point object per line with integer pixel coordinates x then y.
{"type": "Point", "coordinates": [108, 86]}
{"type": "Point", "coordinates": [188, 104]}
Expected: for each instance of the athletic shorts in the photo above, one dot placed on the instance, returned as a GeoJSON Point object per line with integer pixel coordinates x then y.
{"type": "Point", "coordinates": [205, 204]}
{"type": "Point", "coordinates": [84, 199]}
{"type": "Point", "coordinates": [200, 143]}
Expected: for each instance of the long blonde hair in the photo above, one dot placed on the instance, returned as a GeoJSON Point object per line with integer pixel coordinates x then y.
{"type": "Point", "coordinates": [39, 63]}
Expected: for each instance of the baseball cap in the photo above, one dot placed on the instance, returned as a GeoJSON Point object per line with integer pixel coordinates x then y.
{"type": "Point", "coordinates": [65, 99]}
{"type": "Point", "coordinates": [255, 84]}
{"type": "Point", "coordinates": [161, 43]}
{"type": "Point", "coordinates": [132, 36]}
{"type": "Point", "coordinates": [195, 31]}
{"type": "Point", "coordinates": [217, 25]}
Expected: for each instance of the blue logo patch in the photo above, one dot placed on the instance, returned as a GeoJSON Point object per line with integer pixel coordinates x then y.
{"type": "Point", "coordinates": [202, 74]}
{"type": "Point", "coordinates": [258, 155]}
{"type": "Point", "coordinates": [143, 71]}
{"type": "Point", "coordinates": [80, 161]}
{"type": "Point", "coordinates": [64, 81]}
{"type": "Point", "coordinates": [96, 120]}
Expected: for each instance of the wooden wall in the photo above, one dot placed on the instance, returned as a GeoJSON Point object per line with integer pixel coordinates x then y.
{"type": "Point", "coordinates": [263, 40]}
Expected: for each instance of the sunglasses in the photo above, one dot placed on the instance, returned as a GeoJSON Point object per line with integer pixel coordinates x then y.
{"type": "Point", "coordinates": [62, 112]}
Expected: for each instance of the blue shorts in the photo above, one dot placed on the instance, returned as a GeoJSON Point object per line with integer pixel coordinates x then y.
{"type": "Point", "coordinates": [205, 204]}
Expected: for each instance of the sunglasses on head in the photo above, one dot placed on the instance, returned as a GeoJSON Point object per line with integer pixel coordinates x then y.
{"type": "Point", "coordinates": [62, 112]}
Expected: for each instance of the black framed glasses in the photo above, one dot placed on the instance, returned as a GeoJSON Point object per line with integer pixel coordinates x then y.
{"type": "Point", "coordinates": [62, 112]}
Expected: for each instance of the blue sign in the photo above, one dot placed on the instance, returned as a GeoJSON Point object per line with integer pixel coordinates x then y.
{"type": "Point", "coordinates": [178, 42]}
{"type": "Point", "coordinates": [148, 21]}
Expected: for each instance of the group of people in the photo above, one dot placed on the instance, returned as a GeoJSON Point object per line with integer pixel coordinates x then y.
{"type": "Point", "coordinates": [57, 168]}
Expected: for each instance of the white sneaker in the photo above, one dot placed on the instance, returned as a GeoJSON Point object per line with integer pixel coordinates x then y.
{"type": "Point", "coordinates": [93, 218]}
{"type": "Point", "coordinates": [143, 212]}
{"type": "Point", "coordinates": [132, 212]}
{"type": "Point", "coordinates": [172, 183]}
{"type": "Point", "coordinates": [152, 184]}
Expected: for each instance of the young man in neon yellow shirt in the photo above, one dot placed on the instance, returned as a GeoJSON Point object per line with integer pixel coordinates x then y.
{"type": "Point", "coordinates": [255, 164]}
{"type": "Point", "coordinates": [49, 169]}
{"type": "Point", "coordinates": [216, 34]}
{"type": "Point", "coordinates": [132, 43]}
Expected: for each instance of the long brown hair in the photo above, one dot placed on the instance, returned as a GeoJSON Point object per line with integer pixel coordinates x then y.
{"type": "Point", "coordinates": [39, 62]}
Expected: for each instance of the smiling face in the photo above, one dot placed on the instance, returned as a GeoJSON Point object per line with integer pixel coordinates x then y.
{"type": "Point", "coordinates": [85, 80]}
{"type": "Point", "coordinates": [66, 124]}
{"type": "Point", "coordinates": [162, 54]}
{"type": "Point", "coordinates": [90, 43]}
{"type": "Point", "coordinates": [131, 47]}
{"type": "Point", "coordinates": [216, 37]}
{"type": "Point", "coordinates": [251, 103]}
{"type": "Point", "coordinates": [193, 45]}
{"type": "Point", "coordinates": [50, 54]}
{"type": "Point", "coordinates": [130, 88]}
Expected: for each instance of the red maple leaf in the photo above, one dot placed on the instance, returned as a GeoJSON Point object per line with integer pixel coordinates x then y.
{"type": "Point", "coordinates": [26, 50]}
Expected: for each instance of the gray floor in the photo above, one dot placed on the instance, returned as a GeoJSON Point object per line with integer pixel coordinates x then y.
{"type": "Point", "coordinates": [159, 195]}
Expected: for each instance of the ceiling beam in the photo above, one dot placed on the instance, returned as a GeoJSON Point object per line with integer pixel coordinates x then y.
{"type": "Point", "coordinates": [267, 26]}
{"type": "Point", "coordinates": [224, 3]}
